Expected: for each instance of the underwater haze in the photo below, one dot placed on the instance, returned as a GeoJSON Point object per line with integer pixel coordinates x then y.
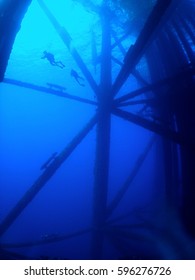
{"type": "Point", "coordinates": [48, 98]}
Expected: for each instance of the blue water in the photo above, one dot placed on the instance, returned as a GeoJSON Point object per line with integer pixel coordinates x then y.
{"type": "Point", "coordinates": [35, 124]}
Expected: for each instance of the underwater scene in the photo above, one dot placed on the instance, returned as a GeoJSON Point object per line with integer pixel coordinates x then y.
{"type": "Point", "coordinates": [97, 129]}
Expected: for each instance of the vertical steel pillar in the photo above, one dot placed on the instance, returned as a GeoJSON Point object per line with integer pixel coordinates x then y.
{"type": "Point", "coordinates": [185, 117]}
{"type": "Point", "coordinates": [165, 112]}
{"type": "Point", "coordinates": [169, 60]}
{"type": "Point", "coordinates": [188, 28]}
{"type": "Point", "coordinates": [101, 172]}
{"type": "Point", "coordinates": [184, 41]}
{"type": "Point", "coordinates": [178, 49]}
{"type": "Point", "coordinates": [170, 66]}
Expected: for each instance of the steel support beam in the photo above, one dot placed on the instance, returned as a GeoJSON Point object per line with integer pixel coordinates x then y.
{"type": "Point", "coordinates": [135, 73]}
{"type": "Point", "coordinates": [180, 55]}
{"type": "Point", "coordinates": [168, 59]}
{"type": "Point", "coordinates": [48, 240]}
{"type": "Point", "coordinates": [101, 171]}
{"type": "Point", "coordinates": [11, 15]}
{"type": "Point", "coordinates": [66, 38]}
{"type": "Point", "coordinates": [45, 177]}
{"type": "Point", "coordinates": [155, 86]}
{"type": "Point", "coordinates": [184, 41]}
{"type": "Point", "coordinates": [186, 24]}
{"type": "Point", "coordinates": [146, 36]}
{"type": "Point", "coordinates": [154, 127]}
{"type": "Point", "coordinates": [117, 199]}
{"type": "Point", "coordinates": [48, 90]}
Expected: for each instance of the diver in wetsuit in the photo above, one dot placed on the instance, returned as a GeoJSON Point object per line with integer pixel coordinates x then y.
{"type": "Point", "coordinates": [50, 57]}
{"type": "Point", "coordinates": [75, 75]}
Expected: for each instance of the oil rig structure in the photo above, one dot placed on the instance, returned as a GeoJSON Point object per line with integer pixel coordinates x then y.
{"type": "Point", "coordinates": [167, 43]}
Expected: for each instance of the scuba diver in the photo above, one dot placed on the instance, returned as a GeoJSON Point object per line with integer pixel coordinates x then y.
{"type": "Point", "coordinates": [50, 57]}
{"type": "Point", "coordinates": [75, 75]}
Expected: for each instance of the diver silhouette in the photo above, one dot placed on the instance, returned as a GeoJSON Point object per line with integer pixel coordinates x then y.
{"type": "Point", "coordinates": [50, 57]}
{"type": "Point", "coordinates": [75, 75]}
